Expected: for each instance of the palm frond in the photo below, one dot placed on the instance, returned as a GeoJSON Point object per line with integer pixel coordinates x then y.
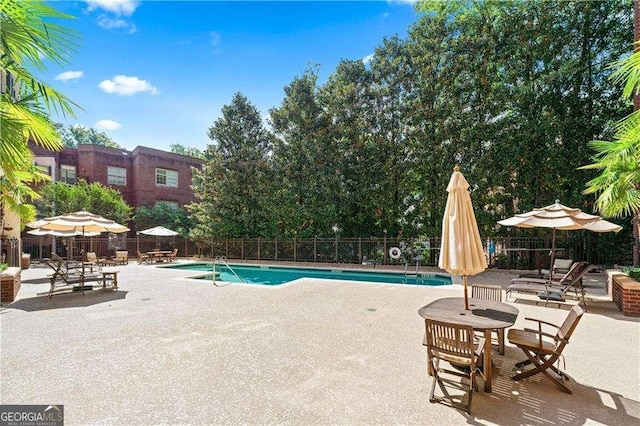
{"type": "Point", "coordinates": [627, 72]}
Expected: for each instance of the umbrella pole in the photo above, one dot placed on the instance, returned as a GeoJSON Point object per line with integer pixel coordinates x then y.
{"type": "Point", "coordinates": [552, 254]}
{"type": "Point", "coordinates": [466, 297]}
{"type": "Point", "coordinates": [82, 260]}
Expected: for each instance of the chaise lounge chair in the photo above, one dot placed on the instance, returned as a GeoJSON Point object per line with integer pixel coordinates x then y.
{"type": "Point", "coordinates": [556, 290]}
{"type": "Point", "coordinates": [68, 275]}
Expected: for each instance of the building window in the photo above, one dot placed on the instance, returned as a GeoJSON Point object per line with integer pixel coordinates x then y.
{"type": "Point", "coordinates": [167, 178]}
{"type": "Point", "coordinates": [44, 169]}
{"type": "Point", "coordinates": [116, 176]}
{"type": "Point", "coordinates": [67, 174]}
{"type": "Point", "coordinates": [171, 204]}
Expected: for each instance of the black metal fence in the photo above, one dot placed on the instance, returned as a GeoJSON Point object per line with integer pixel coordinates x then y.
{"type": "Point", "coordinates": [505, 252]}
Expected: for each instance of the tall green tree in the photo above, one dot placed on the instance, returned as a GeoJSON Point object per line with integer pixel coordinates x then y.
{"type": "Point", "coordinates": [347, 103]}
{"type": "Point", "coordinates": [305, 161]}
{"type": "Point", "coordinates": [75, 135]}
{"type": "Point", "coordinates": [60, 198]}
{"type": "Point", "coordinates": [28, 35]}
{"type": "Point", "coordinates": [162, 214]}
{"type": "Point", "coordinates": [176, 148]}
{"type": "Point", "coordinates": [232, 186]}
{"type": "Point", "coordinates": [517, 89]}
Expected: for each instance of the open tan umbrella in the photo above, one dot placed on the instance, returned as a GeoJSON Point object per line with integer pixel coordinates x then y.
{"type": "Point", "coordinates": [558, 216]}
{"type": "Point", "coordinates": [461, 250]}
{"type": "Point", "coordinates": [159, 231]}
{"type": "Point", "coordinates": [82, 222]}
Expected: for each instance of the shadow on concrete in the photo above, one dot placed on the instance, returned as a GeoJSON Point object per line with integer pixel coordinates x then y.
{"type": "Point", "coordinates": [536, 400]}
{"type": "Point", "coordinates": [43, 280]}
{"type": "Point", "coordinates": [598, 307]}
{"type": "Point", "coordinates": [66, 300]}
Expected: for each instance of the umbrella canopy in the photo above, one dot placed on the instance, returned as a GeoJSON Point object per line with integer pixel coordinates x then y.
{"type": "Point", "coordinates": [558, 216]}
{"type": "Point", "coordinates": [82, 222]}
{"type": "Point", "coordinates": [561, 217]}
{"type": "Point", "coordinates": [159, 231]}
{"type": "Point", "coordinates": [43, 232]}
{"type": "Point", "coordinates": [461, 250]}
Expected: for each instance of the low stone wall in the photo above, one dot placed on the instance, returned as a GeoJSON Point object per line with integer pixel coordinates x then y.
{"type": "Point", "coordinates": [9, 284]}
{"type": "Point", "coordinates": [625, 293]}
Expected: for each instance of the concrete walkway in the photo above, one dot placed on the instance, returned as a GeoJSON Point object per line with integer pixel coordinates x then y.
{"type": "Point", "coordinates": [165, 349]}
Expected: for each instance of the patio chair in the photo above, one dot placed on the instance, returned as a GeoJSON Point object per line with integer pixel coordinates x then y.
{"type": "Point", "coordinates": [93, 262]}
{"type": "Point", "coordinates": [454, 344]}
{"type": "Point", "coordinates": [490, 292]}
{"type": "Point", "coordinates": [173, 255]}
{"type": "Point", "coordinates": [543, 353]}
{"type": "Point", "coordinates": [560, 266]}
{"type": "Point", "coordinates": [122, 256]}
{"type": "Point", "coordinates": [65, 274]}
{"type": "Point", "coordinates": [555, 291]}
{"type": "Point", "coordinates": [143, 258]}
{"type": "Point", "coordinates": [92, 257]}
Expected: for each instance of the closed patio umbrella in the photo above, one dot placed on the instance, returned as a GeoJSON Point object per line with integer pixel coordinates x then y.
{"type": "Point", "coordinates": [82, 222]}
{"type": "Point", "coordinates": [558, 216]}
{"type": "Point", "coordinates": [461, 250]}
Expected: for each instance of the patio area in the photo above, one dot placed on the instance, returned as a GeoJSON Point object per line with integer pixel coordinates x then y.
{"type": "Point", "coordinates": [171, 350]}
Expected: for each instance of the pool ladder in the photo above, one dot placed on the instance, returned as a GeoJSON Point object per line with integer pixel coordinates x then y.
{"type": "Point", "coordinates": [223, 260]}
{"type": "Point", "coordinates": [407, 273]}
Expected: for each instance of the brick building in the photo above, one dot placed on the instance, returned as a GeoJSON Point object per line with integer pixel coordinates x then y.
{"type": "Point", "coordinates": [144, 176]}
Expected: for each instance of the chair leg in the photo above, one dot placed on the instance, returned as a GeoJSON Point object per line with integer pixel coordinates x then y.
{"type": "Point", "coordinates": [468, 408]}
{"type": "Point", "coordinates": [542, 364]}
{"type": "Point", "coordinates": [523, 363]}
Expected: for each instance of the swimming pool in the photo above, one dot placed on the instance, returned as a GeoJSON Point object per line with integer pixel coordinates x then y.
{"type": "Point", "coordinates": [275, 275]}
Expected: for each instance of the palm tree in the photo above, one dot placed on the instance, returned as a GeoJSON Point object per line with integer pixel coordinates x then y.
{"type": "Point", "coordinates": [618, 184]}
{"type": "Point", "coordinates": [25, 102]}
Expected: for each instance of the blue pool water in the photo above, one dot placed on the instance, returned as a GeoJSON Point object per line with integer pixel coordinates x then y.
{"type": "Point", "coordinates": [272, 275]}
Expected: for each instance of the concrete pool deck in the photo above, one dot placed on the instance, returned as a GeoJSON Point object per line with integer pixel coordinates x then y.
{"type": "Point", "coordinates": [164, 349]}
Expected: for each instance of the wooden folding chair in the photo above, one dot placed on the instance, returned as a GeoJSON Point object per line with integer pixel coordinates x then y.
{"type": "Point", "coordinates": [143, 258]}
{"type": "Point", "coordinates": [543, 353]}
{"type": "Point", "coordinates": [121, 257]}
{"type": "Point", "coordinates": [455, 344]}
{"type": "Point", "coordinates": [490, 292]}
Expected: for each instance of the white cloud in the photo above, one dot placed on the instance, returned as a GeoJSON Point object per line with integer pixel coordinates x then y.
{"type": "Point", "coordinates": [107, 125]}
{"type": "Point", "coordinates": [69, 75]}
{"type": "Point", "coordinates": [109, 23]}
{"type": "Point", "coordinates": [216, 38]}
{"type": "Point", "coordinates": [119, 7]}
{"type": "Point", "coordinates": [367, 59]}
{"type": "Point", "coordinates": [126, 86]}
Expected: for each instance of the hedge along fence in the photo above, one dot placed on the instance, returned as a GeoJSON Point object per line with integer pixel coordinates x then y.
{"type": "Point", "coordinates": [505, 252]}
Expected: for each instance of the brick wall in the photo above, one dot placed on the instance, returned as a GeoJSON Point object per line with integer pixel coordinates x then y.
{"type": "Point", "coordinates": [9, 285]}
{"type": "Point", "coordinates": [92, 161]}
{"type": "Point", "coordinates": [625, 293]}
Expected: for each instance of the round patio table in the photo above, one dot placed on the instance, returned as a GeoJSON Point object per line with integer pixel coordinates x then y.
{"type": "Point", "coordinates": [482, 315]}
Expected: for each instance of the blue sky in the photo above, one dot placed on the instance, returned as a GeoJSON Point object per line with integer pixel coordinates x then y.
{"type": "Point", "coordinates": [155, 73]}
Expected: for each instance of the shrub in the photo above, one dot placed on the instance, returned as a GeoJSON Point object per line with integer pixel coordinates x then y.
{"type": "Point", "coordinates": [632, 271]}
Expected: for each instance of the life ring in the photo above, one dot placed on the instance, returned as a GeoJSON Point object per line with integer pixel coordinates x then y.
{"type": "Point", "coordinates": [395, 253]}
